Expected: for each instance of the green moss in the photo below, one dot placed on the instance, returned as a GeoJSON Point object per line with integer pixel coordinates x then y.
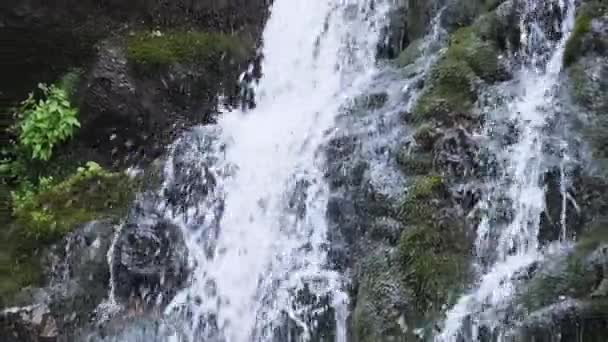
{"type": "Point", "coordinates": [412, 52]}
{"type": "Point", "coordinates": [15, 273]}
{"type": "Point", "coordinates": [69, 82]}
{"type": "Point", "coordinates": [593, 238]}
{"type": "Point", "coordinates": [426, 136]}
{"type": "Point", "coordinates": [146, 49]}
{"type": "Point", "coordinates": [575, 42]}
{"type": "Point", "coordinates": [415, 164]}
{"type": "Point", "coordinates": [481, 55]}
{"type": "Point", "coordinates": [434, 249]}
{"type": "Point", "coordinates": [89, 194]}
{"type": "Point", "coordinates": [450, 90]}
{"type": "Point", "coordinates": [374, 318]}
{"type": "Point", "coordinates": [569, 279]}
{"type": "Point", "coordinates": [568, 275]}
{"type": "Point", "coordinates": [582, 26]}
{"type": "Point", "coordinates": [473, 53]}
{"type": "Point", "coordinates": [418, 17]}
{"type": "Point", "coordinates": [426, 187]}
{"type": "Point", "coordinates": [423, 199]}
{"type": "Point", "coordinates": [45, 214]}
{"type": "Point", "coordinates": [434, 265]}
{"type": "Point", "coordinates": [579, 82]}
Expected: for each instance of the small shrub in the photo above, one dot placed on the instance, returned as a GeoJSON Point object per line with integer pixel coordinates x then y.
{"type": "Point", "coordinates": [48, 211]}
{"type": "Point", "coordinates": [47, 122]}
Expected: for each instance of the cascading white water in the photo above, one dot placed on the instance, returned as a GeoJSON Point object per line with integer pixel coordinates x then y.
{"type": "Point", "coordinates": [264, 250]}
{"type": "Point", "coordinates": [520, 181]}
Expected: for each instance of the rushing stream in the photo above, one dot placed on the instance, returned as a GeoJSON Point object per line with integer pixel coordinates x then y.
{"type": "Point", "coordinates": [257, 238]}
{"type": "Point", "coordinates": [514, 246]}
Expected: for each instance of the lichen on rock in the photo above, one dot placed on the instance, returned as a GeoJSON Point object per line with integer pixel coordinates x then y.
{"type": "Point", "coordinates": [156, 49]}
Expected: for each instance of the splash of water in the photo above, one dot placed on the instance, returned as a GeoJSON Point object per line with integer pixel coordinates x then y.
{"type": "Point", "coordinates": [258, 235]}
{"type": "Point", "coordinates": [520, 182]}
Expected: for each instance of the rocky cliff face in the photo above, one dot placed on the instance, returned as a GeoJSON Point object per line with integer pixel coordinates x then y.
{"type": "Point", "coordinates": [140, 73]}
{"type": "Point", "coordinates": [411, 258]}
{"type": "Point", "coordinates": [127, 115]}
{"type": "Point", "coordinates": [151, 69]}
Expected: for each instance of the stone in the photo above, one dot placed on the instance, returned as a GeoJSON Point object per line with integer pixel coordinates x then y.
{"type": "Point", "coordinates": [149, 260]}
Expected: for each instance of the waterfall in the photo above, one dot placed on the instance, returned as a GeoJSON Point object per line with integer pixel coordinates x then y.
{"type": "Point", "coordinates": [514, 246]}
{"type": "Point", "coordinates": [254, 218]}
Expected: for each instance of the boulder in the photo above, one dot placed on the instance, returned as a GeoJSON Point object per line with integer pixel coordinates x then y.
{"type": "Point", "coordinates": [77, 281]}
{"type": "Point", "coordinates": [46, 39]}
{"type": "Point", "coordinates": [149, 260]}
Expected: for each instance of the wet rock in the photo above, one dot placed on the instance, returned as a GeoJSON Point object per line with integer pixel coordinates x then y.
{"type": "Point", "coordinates": [570, 320]}
{"type": "Point", "coordinates": [456, 155]}
{"type": "Point", "coordinates": [46, 39]}
{"type": "Point", "coordinates": [461, 13]}
{"type": "Point", "coordinates": [565, 295]}
{"type": "Point", "coordinates": [150, 260]}
{"type": "Point", "coordinates": [77, 281]}
{"type": "Point", "coordinates": [588, 37]}
{"type": "Point", "coordinates": [410, 54]}
{"type": "Point", "coordinates": [129, 115]}
{"type": "Point", "coordinates": [408, 21]}
{"type": "Point", "coordinates": [34, 323]}
{"type": "Point", "coordinates": [386, 229]}
{"type": "Point", "coordinates": [190, 174]}
{"type": "Point", "coordinates": [588, 83]}
{"type": "Point", "coordinates": [146, 328]}
{"type": "Point", "coordinates": [553, 219]}
{"type": "Point", "coordinates": [382, 301]}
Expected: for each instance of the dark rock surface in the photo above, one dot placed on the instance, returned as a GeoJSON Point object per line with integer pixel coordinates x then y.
{"type": "Point", "coordinates": [127, 117]}
{"type": "Point", "coordinates": [55, 36]}
{"type": "Point", "coordinates": [77, 281]}
{"type": "Point", "coordinates": [150, 260]}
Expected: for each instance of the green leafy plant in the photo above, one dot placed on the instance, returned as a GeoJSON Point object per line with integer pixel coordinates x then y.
{"type": "Point", "coordinates": [46, 122]}
{"type": "Point", "coordinates": [49, 209]}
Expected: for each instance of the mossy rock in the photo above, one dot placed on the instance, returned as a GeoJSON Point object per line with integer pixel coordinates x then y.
{"type": "Point", "coordinates": [368, 102]}
{"type": "Point", "coordinates": [435, 249]}
{"type": "Point", "coordinates": [43, 217]}
{"type": "Point", "coordinates": [462, 13]}
{"type": "Point", "coordinates": [426, 136]}
{"type": "Point", "coordinates": [433, 265]}
{"type": "Point", "coordinates": [88, 194]}
{"type": "Point", "coordinates": [419, 15]}
{"type": "Point", "coordinates": [575, 46]}
{"type": "Point", "coordinates": [415, 164]}
{"type": "Point", "coordinates": [381, 300]}
{"type": "Point", "coordinates": [473, 53]}
{"type": "Point", "coordinates": [411, 53]}
{"type": "Point", "coordinates": [191, 47]}
{"type": "Point", "coordinates": [588, 78]}
{"type": "Point", "coordinates": [597, 135]}
{"type": "Point", "coordinates": [450, 90]}
{"type": "Point", "coordinates": [571, 275]}
{"type": "Point", "coordinates": [481, 55]}
{"type": "Point", "coordinates": [570, 279]}
{"type": "Point", "coordinates": [16, 272]}
{"type": "Point", "coordinates": [425, 196]}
